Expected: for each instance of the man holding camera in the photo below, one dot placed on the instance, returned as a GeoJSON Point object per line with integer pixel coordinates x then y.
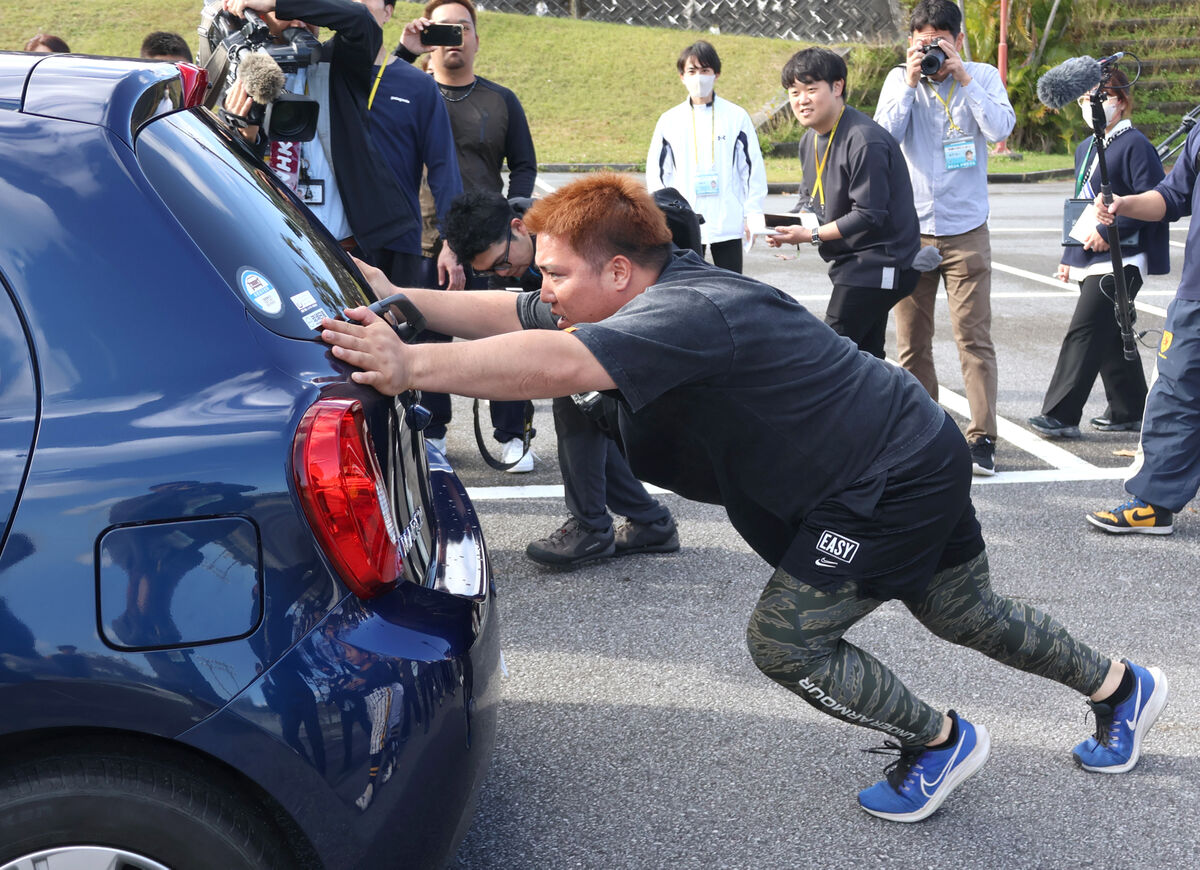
{"type": "Point", "coordinates": [838, 469]}
{"type": "Point", "coordinates": [944, 111]}
{"type": "Point", "coordinates": [489, 129]}
{"type": "Point", "coordinates": [340, 174]}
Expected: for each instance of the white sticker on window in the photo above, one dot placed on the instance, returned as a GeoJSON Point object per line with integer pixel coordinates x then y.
{"type": "Point", "coordinates": [260, 291]}
{"type": "Point", "coordinates": [313, 318]}
{"type": "Point", "coordinates": [304, 301]}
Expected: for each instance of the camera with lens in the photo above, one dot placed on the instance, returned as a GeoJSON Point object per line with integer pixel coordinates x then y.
{"type": "Point", "coordinates": [934, 57]}
{"type": "Point", "coordinates": [227, 41]}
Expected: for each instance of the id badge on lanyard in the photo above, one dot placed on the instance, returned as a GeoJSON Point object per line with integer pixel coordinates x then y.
{"type": "Point", "coordinates": [707, 184]}
{"type": "Point", "coordinates": [959, 152]}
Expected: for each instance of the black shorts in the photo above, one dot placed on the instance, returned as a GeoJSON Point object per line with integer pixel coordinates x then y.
{"type": "Point", "coordinates": [891, 533]}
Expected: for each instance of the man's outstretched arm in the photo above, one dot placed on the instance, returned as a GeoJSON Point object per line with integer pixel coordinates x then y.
{"type": "Point", "coordinates": [468, 314]}
{"type": "Point", "coordinates": [529, 364]}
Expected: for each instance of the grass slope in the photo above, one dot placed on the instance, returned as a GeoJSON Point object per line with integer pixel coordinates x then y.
{"type": "Point", "coordinates": [592, 90]}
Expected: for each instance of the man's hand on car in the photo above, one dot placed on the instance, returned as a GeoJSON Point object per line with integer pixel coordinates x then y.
{"type": "Point", "coordinates": [372, 346]}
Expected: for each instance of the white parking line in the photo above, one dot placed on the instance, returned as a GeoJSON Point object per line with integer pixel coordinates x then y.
{"type": "Point", "coordinates": [1058, 285]}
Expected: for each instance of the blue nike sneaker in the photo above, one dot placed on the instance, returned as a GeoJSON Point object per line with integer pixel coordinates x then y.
{"type": "Point", "coordinates": [921, 779]}
{"type": "Point", "coordinates": [1117, 744]}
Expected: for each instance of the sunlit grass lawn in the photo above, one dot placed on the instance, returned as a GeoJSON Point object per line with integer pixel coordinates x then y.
{"type": "Point", "coordinates": [592, 91]}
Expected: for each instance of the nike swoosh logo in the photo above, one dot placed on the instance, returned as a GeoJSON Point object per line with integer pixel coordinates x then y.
{"type": "Point", "coordinates": [401, 100]}
{"type": "Point", "coordinates": [826, 563]}
{"type": "Point", "coordinates": [926, 784]}
{"type": "Point", "coordinates": [1138, 515]}
{"type": "Point", "coordinates": [1137, 705]}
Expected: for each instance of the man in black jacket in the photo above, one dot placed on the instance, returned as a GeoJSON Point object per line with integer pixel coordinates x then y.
{"type": "Point", "coordinates": [858, 201]}
{"type": "Point", "coordinates": [340, 174]}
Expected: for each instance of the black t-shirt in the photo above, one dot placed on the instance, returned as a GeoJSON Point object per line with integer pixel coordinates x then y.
{"type": "Point", "coordinates": [735, 394]}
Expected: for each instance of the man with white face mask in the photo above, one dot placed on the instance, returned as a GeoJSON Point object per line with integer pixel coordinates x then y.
{"type": "Point", "coordinates": [707, 149]}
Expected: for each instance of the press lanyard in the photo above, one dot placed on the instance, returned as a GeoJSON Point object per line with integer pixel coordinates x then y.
{"type": "Point", "coordinates": [1089, 165]}
{"type": "Point", "coordinates": [946, 103]}
{"type": "Point", "coordinates": [695, 138]}
{"type": "Point", "coordinates": [818, 189]}
{"type": "Point", "coordinates": [375, 86]}
{"type": "Point", "coordinates": [1085, 169]}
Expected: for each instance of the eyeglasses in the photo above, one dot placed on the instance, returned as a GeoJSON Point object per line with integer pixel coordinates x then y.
{"type": "Point", "coordinates": [502, 263]}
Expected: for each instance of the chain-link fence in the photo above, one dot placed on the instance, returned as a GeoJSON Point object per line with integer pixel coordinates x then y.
{"type": "Point", "coordinates": [818, 22]}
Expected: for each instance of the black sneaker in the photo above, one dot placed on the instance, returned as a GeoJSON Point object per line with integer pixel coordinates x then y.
{"type": "Point", "coordinates": [572, 544]}
{"type": "Point", "coordinates": [1052, 427]}
{"type": "Point", "coordinates": [660, 537]}
{"type": "Point", "coordinates": [1104, 424]}
{"type": "Point", "coordinates": [983, 455]}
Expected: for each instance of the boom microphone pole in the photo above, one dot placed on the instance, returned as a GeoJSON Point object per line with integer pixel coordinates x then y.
{"type": "Point", "coordinates": [1060, 86]}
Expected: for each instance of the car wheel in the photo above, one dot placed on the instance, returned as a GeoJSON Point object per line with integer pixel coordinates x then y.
{"type": "Point", "coordinates": [135, 812]}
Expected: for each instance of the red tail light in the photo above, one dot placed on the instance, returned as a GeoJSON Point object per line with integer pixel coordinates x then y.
{"type": "Point", "coordinates": [195, 83]}
{"type": "Point", "coordinates": [344, 496]}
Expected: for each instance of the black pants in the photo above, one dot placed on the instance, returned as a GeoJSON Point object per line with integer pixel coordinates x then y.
{"type": "Point", "coordinates": [860, 313]}
{"type": "Point", "coordinates": [596, 477]}
{"type": "Point", "coordinates": [727, 254]}
{"type": "Point", "coordinates": [1093, 346]}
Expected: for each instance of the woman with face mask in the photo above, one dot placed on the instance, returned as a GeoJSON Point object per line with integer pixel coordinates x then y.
{"type": "Point", "coordinates": [1093, 343]}
{"type": "Point", "coordinates": [706, 148]}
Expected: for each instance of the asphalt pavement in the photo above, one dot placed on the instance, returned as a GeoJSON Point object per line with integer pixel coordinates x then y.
{"type": "Point", "coordinates": [635, 732]}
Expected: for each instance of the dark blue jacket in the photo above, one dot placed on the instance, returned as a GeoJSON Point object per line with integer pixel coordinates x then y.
{"type": "Point", "coordinates": [1133, 167]}
{"type": "Point", "coordinates": [410, 125]}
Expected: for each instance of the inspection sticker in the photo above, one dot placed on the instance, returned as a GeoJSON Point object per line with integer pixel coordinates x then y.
{"type": "Point", "coordinates": [310, 310]}
{"type": "Point", "coordinates": [260, 291]}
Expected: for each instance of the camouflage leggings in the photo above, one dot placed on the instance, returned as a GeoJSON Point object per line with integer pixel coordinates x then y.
{"type": "Point", "coordinates": [795, 638]}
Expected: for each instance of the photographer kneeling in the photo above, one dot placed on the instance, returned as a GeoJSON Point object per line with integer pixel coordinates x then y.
{"type": "Point", "coordinates": [339, 174]}
{"type": "Point", "coordinates": [836, 468]}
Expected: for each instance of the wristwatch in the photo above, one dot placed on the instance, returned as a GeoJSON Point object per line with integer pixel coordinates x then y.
{"type": "Point", "coordinates": [816, 235]}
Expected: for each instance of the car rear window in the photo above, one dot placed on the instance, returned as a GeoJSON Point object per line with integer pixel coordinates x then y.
{"type": "Point", "coordinates": [268, 247]}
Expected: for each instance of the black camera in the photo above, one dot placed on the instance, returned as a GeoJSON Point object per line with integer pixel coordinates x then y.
{"type": "Point", "coordinates": [227, 40]}
{"type": "Point", "coordinates": [934, 57]}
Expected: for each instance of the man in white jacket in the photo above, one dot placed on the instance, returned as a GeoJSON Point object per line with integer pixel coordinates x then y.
{"type": "Point", "coordinates": [706, 148]}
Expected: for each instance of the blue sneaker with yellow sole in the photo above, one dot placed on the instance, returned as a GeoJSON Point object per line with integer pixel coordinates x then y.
{"type": "Point", "coordinates": [921, 779]}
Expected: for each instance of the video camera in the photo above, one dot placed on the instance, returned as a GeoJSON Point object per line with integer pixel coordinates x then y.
{"type": "Point", "coordinates": [226, 41]}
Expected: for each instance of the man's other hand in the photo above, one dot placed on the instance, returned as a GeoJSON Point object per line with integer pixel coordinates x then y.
{"type": "Point", "coordinates": [450, 272]}
{"type": "Point", "coordinates": [376, 280]}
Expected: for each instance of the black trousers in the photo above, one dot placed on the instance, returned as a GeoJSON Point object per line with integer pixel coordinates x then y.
{"type": "Point", "coordinates": [596, 476]}
{"type": "Point", "coordinates": [726, 254]}
{"type": "Point", "coordinates": [860, 313]}
{"type": "Point", "coordinates": [1093, 346]}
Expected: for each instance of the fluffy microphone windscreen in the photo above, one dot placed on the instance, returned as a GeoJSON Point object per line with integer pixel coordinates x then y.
{"type": "Point", "coordinates": [261, 76]}
{"type": "Point", "coordinates": [1067, 82]}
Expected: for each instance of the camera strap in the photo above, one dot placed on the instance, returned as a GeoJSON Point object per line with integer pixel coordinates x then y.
{"type": "Point", "coordinates": [526, 437]}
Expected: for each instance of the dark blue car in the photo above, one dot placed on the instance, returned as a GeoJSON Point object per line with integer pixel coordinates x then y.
{"type": "Point", "coordinates": [246, 617]}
